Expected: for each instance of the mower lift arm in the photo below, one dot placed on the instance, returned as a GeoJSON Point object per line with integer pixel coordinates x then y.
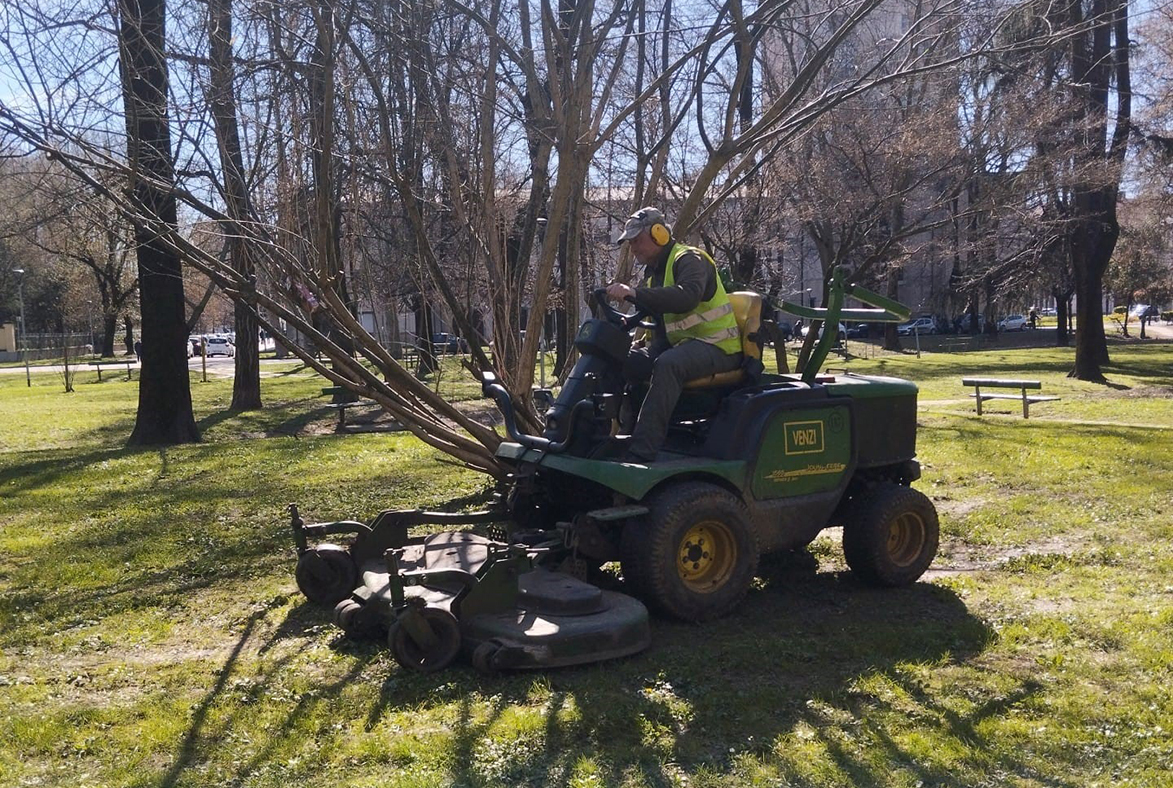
{"type": "Point", "coordinates": [886, 311]}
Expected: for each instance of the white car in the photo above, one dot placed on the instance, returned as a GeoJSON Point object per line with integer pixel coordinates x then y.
{"type": "Point", "coordinates": [1013, 323]}
{"type": "Point", "coordinates": [922, 325]}
{"type": "Point", "coordinates": [806, 329]}
{"type": "Point", "coordinates": [220, 346]}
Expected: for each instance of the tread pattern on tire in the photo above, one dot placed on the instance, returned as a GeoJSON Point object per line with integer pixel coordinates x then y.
{"type": "Point", "coordinates": [649, 549]}
{"type": "Point", "coordinates": [865, 535]}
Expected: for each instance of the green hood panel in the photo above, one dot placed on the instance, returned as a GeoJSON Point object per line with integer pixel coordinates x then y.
{"type": "Point", "coordinates": [630, 479]}
{"type": "Point", "coordinates": [870, 386]}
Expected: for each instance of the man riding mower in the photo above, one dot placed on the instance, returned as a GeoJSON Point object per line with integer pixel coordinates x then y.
{"type": "Point", "coordinates": [751, 463]}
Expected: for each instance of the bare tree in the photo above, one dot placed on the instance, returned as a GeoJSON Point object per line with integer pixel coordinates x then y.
{"type": "Point", "coordinates": [246, 384]}
{"type": "Point", "coordinates": [164, 409]}
{"type": "Point", "coordinates": [466, 128]}
{"type": "Point", "coordinates": [54, 214]}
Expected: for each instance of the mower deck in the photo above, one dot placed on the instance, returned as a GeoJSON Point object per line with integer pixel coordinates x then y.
{"type": "Point", "coordinates": [458, 591]}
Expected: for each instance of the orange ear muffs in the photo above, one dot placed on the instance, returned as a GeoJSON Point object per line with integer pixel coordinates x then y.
{"type": "Point", "coordinates": [660, 234]}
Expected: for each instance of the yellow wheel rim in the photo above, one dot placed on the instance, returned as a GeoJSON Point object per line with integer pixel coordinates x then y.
{"type": "Point", "coordinates": [906, 538]}
{"type": "Point", "coordinates": [706, 556]}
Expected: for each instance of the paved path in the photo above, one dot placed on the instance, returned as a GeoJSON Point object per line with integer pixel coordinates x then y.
{"type": "Point", "coordinates": [218, 365]}
{"type": "Point", "coordinates": [1158, 330]}
{"type": "Point", "coordinates": [950, 406]}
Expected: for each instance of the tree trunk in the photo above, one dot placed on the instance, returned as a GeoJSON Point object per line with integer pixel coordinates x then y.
{"type": "Point", "coordinates": [989, 318]}
{"type": "Point", "coordinates": [563, 332]}
{"type": "Point", "coordinates": [1099, 62]}
{"type": "Point", "coordinates": [891, 337]}
{"type": "Point", "coordinates": [109, 329]}
{"type": "Point", "coordinates": [1091, 346]}
{"type": "Point", "coordinates": [1062, 317]}
{"type": "Point", "coordinates": [246, 385]}
{"type": "Point", "coordinates": [164, 405]}
{"type": "Point", "coordinates": [423, 339]}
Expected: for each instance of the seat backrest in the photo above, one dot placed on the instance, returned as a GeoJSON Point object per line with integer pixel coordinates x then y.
{"type": "Point", "coordinates": [747, 308]}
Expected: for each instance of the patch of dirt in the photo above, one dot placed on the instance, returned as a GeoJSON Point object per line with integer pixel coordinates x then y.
{"type": "Point", "coordinates": [956, 508]}
{"type": "Point", "coordinates": [957, 557]}
{"type": "Point", "coordinates": [1146, 392]}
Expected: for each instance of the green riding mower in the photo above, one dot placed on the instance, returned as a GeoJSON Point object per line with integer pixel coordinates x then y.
{"type": "Point", "coordinates": [754, 463]}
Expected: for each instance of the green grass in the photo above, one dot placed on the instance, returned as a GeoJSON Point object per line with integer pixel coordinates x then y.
{"type": "Point", "coordinates": [151, 633]}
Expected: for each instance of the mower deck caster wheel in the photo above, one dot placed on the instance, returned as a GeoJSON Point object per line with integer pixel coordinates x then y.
{"type": "Point", "coordinates": [439, 632]}
{"type": "Point", "coordinates": [326, 574]}
{"type": "Point", "coordinates": [356, 620]}
{"type": "Point", "coordinates": [483, 657]}
{"type": "Point", "coordinates": [491, 656]}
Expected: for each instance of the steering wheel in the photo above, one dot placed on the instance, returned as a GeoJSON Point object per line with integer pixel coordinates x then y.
{"type": "Point", "coordinates": [605, 311]}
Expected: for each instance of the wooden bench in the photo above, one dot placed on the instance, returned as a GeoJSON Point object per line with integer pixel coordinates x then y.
{"type": "Point", "coordinates": [342, 407]}
{"type": "Point", "coordinates": [128, 363]}
{"type": "Point", "coordinates": [1022, 385]}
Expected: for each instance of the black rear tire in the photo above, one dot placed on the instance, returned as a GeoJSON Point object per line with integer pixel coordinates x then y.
{"type": "Point", "coordinates": [694, 555]}
{"type": "Point", "coordinates": [891, 535]}
{"type": "Point", "coordinates": [326, 574]}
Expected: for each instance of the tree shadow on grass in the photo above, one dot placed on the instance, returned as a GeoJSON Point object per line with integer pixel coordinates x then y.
{"type": "Point", "coordinates": [300, 368]}
{"type": "Point", "coordinates": [31, 475]}
{"type": "Point", "coordinates": [214, 419]}
{"type": "Point", "coordinates": [289, 427]}
{"type": "Point", "coordinates": [202, 735]}
{"type": "Point", "coordinates": [699, 701]}
{"type": "Point", "coordinates": [705, 690]}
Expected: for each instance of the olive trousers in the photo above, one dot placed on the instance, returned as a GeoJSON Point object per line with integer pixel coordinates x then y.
{"type": "Point", "coordinates": [668, 368]}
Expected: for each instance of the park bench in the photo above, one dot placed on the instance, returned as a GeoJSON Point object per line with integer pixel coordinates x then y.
{"type": "Point", "coordinates": [128, 363]}
{"type": "Point", "coordinates": [342, 407]}
{"type": "Point", "coordinates": [1022, 385]}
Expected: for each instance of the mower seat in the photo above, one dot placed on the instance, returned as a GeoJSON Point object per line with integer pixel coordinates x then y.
{"type": "Point", "coordinates": [747, 308]}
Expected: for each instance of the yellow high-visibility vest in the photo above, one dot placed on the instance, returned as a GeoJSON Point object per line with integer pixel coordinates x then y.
{"type": "Point", "coordinates": [710, 321]}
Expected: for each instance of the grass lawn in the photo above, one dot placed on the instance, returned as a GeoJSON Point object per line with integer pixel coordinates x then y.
{"type": "Point", "coordinates": [151, 633]}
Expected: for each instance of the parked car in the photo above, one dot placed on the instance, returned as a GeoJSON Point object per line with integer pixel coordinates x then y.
{"type": "Point", "coordinates": [943, 325]}
{"type": "Point", "coordinates": [194, 342]}
{"type": "Point", "coordinates": [220, 346]}
{"type": "Point", "coordinates": [1013, 323]}
{"type": "Point", "coordinates": [921, 325]}
{"type": "Point", "coordinates": [806, 329]}
{"type": "Point", "coordinates": [1144, 310]}
{"type": "Point", "coordinates": [967, 324]}
{"type": "Point", "coordinates": [858, 331]}
{"type": "Point", "coordinates": [443, 342]}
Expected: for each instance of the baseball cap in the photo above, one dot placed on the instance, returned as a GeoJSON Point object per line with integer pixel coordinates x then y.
{"type": "Point", "coordinates": [640, 221]}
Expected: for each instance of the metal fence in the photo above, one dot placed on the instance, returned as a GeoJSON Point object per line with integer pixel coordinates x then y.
{"type": "Point", "coordinates": [51, 346]}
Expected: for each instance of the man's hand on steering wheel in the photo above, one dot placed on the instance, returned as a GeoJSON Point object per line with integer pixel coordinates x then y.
{"type": "Point", "coordinates": [620, 292]}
